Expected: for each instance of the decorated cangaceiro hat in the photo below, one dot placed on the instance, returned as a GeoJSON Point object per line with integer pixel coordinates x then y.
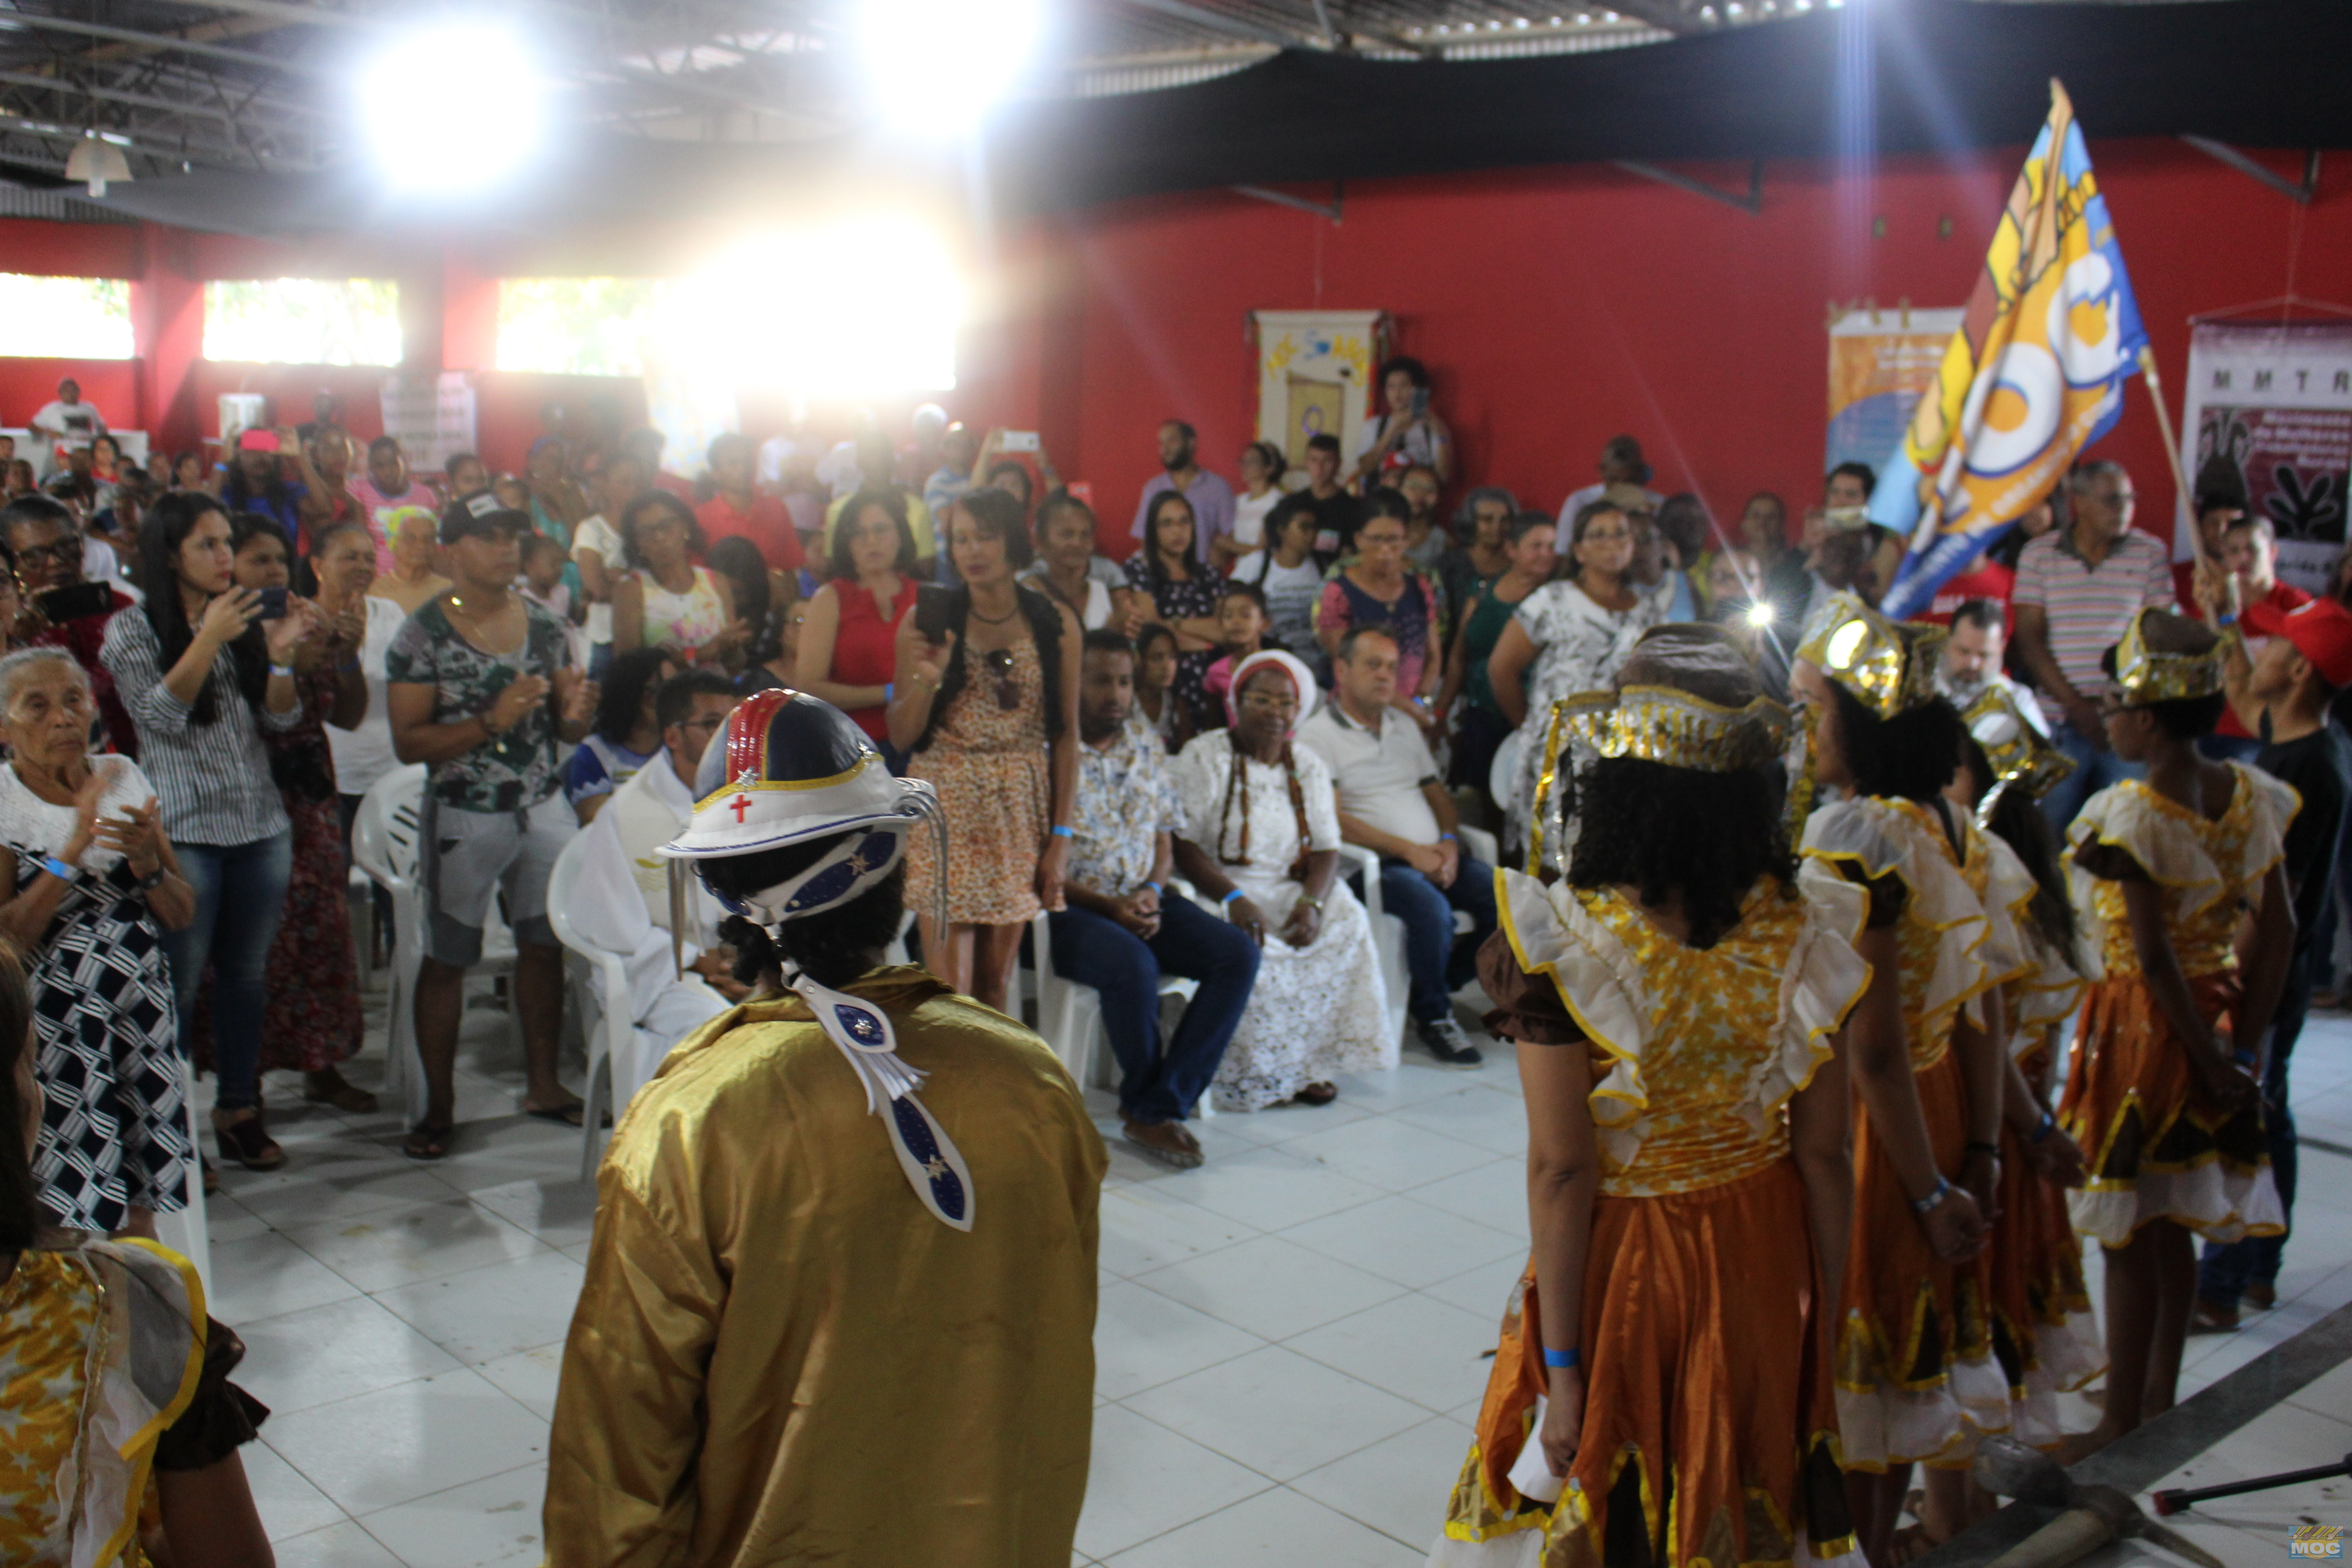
{"type": "Point", "coordinates": [1889, 667]}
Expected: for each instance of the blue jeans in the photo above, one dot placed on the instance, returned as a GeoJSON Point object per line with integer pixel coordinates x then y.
{"type": "Point", "coordinates": [2096, 768]}
{"type": "Point", "coordinates": [1157, 1085]}
{"type": "Point", "coordinates": [240, 892]}
{"type": "Point", "coordinates": [1437, 965]}
{"type": "Point", "coordinates": [2225, 1270]}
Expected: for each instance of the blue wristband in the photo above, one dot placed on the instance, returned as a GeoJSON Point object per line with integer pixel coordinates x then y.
{"type": "Point", "coordinates": [1154, 886]}
{"type": "Point", "coordinates": [1062, 832]}
{"type": "Point", "coordinates": [59, 869]}
{"type": "Point", "coordinates": [1447, 838]}
{"type": "Point", "coordinates": [1943, 1190]}
{"type": "Point", "coordinates": [1229, 898]}
{"type": "Point", "coordinates": [2039, 1133]}
{"type": "Point", "coordinates": [889, 691]}
{"type": "Point", "coordinates": [1561, 1358]}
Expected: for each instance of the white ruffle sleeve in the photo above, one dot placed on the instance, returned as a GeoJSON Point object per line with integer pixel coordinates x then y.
{"type": "Point", "coordinates": [1877, 840]}
{"type": "Point", "coordinates": [1605, 990]}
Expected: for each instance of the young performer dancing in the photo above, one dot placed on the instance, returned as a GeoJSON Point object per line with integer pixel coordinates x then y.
{"type": "Point", "coordinates": [2042, 1332]}
{"type": "Point", "coordinates": [2178, 881]}
{"type": "Point", "coordinates": [1916, 1380]}
{"type": "Point", "coordinates": [1662, 1393]}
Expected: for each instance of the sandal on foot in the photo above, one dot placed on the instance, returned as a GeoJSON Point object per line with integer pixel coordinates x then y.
{"type": "Point", "coordinates": [344, 1096]}
{"type": "Point", "coordinates": [426, 1142]}
{"type": "Point", "coordinates": [1317, 1094]}
{"type": "Point", "coordinates": [571, 1115]}
{"type": "Point", "coordinates": [249, 1144]}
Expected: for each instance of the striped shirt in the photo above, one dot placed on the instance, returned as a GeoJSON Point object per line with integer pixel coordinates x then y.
{"type": "Point", "coordinates": [212, 781]}
{"type": "Point", "coordinates": [2089, 606]}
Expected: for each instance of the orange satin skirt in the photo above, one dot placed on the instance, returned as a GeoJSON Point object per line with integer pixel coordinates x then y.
{"type": "Point", "coordinates": [1710, 1424]}
{"type": "Point", "coordinates": [1916, 1377]}
{"type": "Point", "coordinates": [2042, 1332]}
{"type": "Point", "coordinates": [2157, 1145]}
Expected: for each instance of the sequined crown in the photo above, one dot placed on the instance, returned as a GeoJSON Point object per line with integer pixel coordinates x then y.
{"type": "Point", "coordinates": [1890, 666]}
{"type": "Point", "coordinates": [1666, 724]}
{"type": "Point", "coordinates": [2022, 756]}
{"type": "Point", "coordinates": [2144, 676]}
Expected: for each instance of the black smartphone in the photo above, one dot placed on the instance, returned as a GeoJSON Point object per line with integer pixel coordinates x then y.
{"type": "Point", "coordinates": [1420, 402]}
{"type": "Point", "coordinates": [931, 602]}
{"type": "Point", "coordinates": [74, 601]}
{"type": "Point", "coordinates": [273, 605]}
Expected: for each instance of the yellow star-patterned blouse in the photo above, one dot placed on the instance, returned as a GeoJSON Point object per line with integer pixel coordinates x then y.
{"type": "Point", "coordinates": [2206, 869]}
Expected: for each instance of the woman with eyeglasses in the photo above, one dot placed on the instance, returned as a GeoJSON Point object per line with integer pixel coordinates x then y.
{"type": "Point", "coordinates": [1260, 834]}
{"type": "Point", "coordinates": [666, 600]}
{"type": "Point", "coordinates": [988, 714]}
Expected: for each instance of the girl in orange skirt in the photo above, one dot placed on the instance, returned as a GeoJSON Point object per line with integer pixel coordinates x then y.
{"type": "Point", "coordinates": [1915, 1375]}
{"type": "Point", "coordinates": [2042, 1332]}
{"type": "Point", "coordinates": [2179, 884]}
{"type": "Point", "coordinates": [1662, 1393]}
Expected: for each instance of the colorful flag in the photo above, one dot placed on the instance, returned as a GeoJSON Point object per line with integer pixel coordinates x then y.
{"type": "Point", "coordinates": [2034, 374]}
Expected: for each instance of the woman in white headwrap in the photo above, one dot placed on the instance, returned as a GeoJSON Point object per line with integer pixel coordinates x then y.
{"type": "Point", "coordinates": [1261, 835]}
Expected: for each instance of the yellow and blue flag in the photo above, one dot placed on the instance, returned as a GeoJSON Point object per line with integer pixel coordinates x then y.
{"type": "Point", "coordinates": [2034, 374]}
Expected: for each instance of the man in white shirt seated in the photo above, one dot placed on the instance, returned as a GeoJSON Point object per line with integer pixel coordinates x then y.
{"type": "Point", "coordinates": [1971, 661]}
{"type": "Point", "coordinates": [1392, 802]}
{"type": "Point", "coordinates": [67, 417]}
{"type": "Point", "coordinates": [622, 903]}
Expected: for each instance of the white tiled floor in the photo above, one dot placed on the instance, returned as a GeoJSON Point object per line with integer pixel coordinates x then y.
{"type": "Point", "coordinates": [1289, 1344]}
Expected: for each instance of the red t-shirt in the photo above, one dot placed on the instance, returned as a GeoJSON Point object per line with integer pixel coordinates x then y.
{"type": "Point", "coordinates": [1990, 581]}
{"type": "Point", "coordinates": [2256, 622]}
{"type": "Point", "coordinates": [767, 525]}
{"type": "Point", "coordinates": [865, 646]}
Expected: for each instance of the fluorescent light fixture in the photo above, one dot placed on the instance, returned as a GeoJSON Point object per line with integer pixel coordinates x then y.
{"type": "Point", "coordinates": [861, 306]}
{"type": "Point", "coordinates": [457, 107]}
{"type": "Point", "coordinates": [936, 67]}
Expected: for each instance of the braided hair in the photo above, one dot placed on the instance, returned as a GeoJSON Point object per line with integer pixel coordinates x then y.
{"type": "Point", "coordinates": [1237, 782]}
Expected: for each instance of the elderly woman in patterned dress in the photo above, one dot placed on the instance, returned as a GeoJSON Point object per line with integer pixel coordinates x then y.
{"type": "Point", "coordinates": [87, 881]}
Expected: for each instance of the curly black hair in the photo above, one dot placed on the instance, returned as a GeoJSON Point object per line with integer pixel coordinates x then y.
{"type": "Point", "coordinates": [833, 950]}
{"type": "Point", "coordinates": [620, 698]}
{"type": "Point", "coordinates": [1668, 831]}
{"type": "Point", "coordinates": [1911, 756]}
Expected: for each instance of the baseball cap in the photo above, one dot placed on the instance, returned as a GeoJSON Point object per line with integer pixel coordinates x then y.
{"type": "Point", "coordinates": [481, 514]}
{"type": "Point", "coordinates": [257, 440]}
{"type": "Point", "coordinates": [2320, 630]}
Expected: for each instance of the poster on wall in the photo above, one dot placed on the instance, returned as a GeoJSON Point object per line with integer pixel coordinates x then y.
{"type": "Point", "coordinates": [432, 416]}
{"type": "Point", "coordinates": [2270, 403]}
{"type": "Point", "coordinates": [1880, 362]}
{"type": "Point", "coordinates": [1315, 369]}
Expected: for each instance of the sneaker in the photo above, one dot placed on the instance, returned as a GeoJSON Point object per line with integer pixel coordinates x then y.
{"type": "Point", "coordinates": [1443, 1038]}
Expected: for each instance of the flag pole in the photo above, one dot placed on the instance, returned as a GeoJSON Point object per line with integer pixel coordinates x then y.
{"type": "Point", "coordinates": [2182, 508]}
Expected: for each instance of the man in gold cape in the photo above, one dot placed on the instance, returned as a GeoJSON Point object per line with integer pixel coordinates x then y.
{"type": "Point", "coordinates": [828, 1319]}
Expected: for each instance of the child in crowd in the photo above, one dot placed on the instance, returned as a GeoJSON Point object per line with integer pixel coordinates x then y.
{"type": "Point", "coordinates": [1287, 578]}
{"type": "Point", "coordinates": [1241, 631]}
{"type": "Point", "coordinates": [542, 584]}
{"type": "Point", "coordinates": [1157, 707]}
{"type": "Point", "coordinates": [2179, 882]}
{"type": "Point", "coordinates": [512, 493]}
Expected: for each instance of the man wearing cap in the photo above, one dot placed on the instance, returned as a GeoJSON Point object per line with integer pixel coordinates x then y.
{"type": "Point", "coordinates": [2284, 695]}
{"type": "Point", "coordinates": [840, 1303]}
{"type": "Point", "coordinates": [481, 686]}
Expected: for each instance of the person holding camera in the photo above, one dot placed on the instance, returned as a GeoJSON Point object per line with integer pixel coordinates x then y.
{"type": "Point", "coordinates": [60, 606]}
{"type": "Point", "coordinates": [204, 675]}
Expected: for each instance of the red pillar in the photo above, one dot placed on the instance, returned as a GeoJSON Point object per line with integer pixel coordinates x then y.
{"type": "Point", "coordinates": [470, 314]}
{"type": "Point", "coordinates": [167, 337]}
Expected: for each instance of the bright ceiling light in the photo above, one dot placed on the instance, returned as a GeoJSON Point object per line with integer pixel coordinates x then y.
{"type": "Point", "coordinates": [863, 306]}
{"type": "Point", "coordinates": [457, 107]}
{"type": "Point", "coordinates": [938, 66]}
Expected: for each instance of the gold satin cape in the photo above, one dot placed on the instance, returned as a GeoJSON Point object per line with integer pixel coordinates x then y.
{"type": "Point", "coordinates": [780, 1357]}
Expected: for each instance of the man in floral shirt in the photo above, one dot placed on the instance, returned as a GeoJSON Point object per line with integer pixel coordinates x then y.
{"type": "Point", "coordinates": [1120, 933]}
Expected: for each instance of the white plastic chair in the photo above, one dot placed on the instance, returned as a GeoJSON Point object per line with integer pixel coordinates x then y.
{"type": "Point", "coordinates": [1388, 930]}
{"type": "Point", "coordinates": [183, 1230]}
{"type": "Point", "coordinates": [596, 981]}
{"type": "Point", "coordinates": [385, 845]}
{"type": "Point", "coordinates": [1069, 1015]}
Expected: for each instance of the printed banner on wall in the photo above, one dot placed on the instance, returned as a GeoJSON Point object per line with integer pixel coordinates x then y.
{"type": "Point", "coordinates": [1881, 362]}
{"type": "Point", "coordinates": [2271, 402]}
{"type": "Point", "coordinates": [432, 416]}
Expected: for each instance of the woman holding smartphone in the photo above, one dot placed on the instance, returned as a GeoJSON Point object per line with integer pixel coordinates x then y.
{"type": "Point", "coordinates": [986, 701]}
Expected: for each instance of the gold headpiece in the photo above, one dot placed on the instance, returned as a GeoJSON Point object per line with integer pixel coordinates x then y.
{"type": "Point", "coordinates": [2144, 676]}
{"type": "Point", "coordinates": [1891, 668]}
{"type": "Point", "coordinates": [2022, 757]}
{"type": "Point", "coordinates": [1666, 724]}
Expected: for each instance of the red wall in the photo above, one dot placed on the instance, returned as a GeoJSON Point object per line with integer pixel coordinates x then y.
{"type": "Point", "coordinates": [1558, 307]}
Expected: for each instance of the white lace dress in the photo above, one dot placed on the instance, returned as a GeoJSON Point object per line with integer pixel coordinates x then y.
{"type": "Point", "coordinates": [1579, 647]}
{"type": "Point", "coordinates": [1316, 1011]}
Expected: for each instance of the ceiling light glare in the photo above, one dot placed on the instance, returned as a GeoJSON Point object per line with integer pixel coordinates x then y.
{"type": "Point", "coordinates": [453, 108]}
{"type": "Point", "coordinates": [937, 66]}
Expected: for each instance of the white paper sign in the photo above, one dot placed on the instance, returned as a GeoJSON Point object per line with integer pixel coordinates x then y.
{"type": "Point", "coordinates": [431, 416]}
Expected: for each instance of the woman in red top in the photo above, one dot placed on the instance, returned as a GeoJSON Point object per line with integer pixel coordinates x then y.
{"type": "Point", "coordinates": [848, 643]}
